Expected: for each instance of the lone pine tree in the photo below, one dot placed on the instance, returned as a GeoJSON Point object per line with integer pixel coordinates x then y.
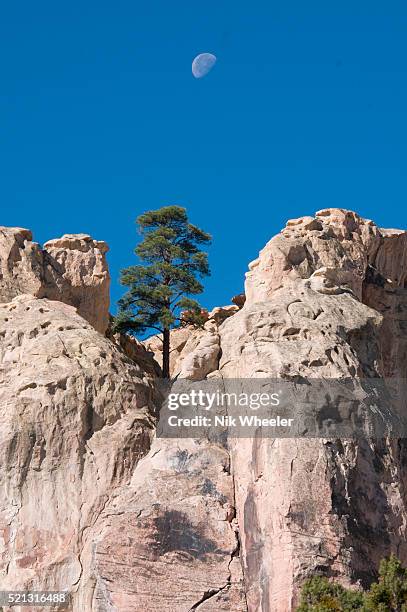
{"type": "Point", "coordinates": [171, 266]}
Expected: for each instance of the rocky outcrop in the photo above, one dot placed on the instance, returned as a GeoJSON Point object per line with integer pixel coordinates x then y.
{"type": "Point", "coordinates": [308, 506]}
{"type": "Point", "coordinates": [324, 299]}
{"type": "Point", "coordinates": [384, 288]}
{"type": "Point", "coordinates": [75, 513]}
{"type": "Point", "coordinates": [21, 263]}
{"type": "Point", "coordinates": [194, 351]}
{"type": "Point", "coordinates": [338, 240]}
{"type": "Point", "coordinates": [76, 273]}
{"type": "Point", "coordinates": [138, 352]}
{"type": "Point", "coordinates": [71, 269]}
{"type": "Point", "coordinates": [93, 503]}
{"type": "Point", "coordinates": [239, 300]}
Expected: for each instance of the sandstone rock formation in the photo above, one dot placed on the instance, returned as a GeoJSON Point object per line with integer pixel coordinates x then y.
{"type": "Point", "coordinates": [239, 300]}
{"type": "Point", "coordinates": [71, 269]}
{"type": "Point", "coordinates": [78, 413]}
{"type": "Point", "coordinates": [76, 273]}
{"type": "Point", "coordinates": [326, 298]}
{"type": "Point", "coordinates": [21, 263]}
{"type": "Point", "coordinates": [194, 352]}
{"type": "Point", "coordinates": [332, 506]}
{"type": "Point", "coordinates": [172, 534]}
{"type": "Point", "coordinates": [91, 502]}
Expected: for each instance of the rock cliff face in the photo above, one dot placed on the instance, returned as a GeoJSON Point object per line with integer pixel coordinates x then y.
{"type": "Point", "coordinates": [76, 419]}
{"type": "Point", "coordinates": [91, 502]}
{"type": "Point", "coordinates": [78, 413]}
{"type": "Point", "coordinates": [325, 298]}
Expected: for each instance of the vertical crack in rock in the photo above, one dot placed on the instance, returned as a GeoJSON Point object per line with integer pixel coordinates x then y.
{"type": "Point", "coordinates": [213, 592]}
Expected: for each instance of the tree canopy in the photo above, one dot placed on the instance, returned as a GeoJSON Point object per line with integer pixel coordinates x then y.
{"type": "Point", "coordinates": [388, 594]}
{"type": "Point", "coordinates": [172, 264]}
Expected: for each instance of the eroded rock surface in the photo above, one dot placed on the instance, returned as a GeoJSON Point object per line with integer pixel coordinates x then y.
{"type": "Point", "coordinates": [172, 533]}
{"type": "Point", "coordinates": [194, 351]}
{"type": "Point", "coordinates": [21, 263]}
{"type": "Point", "coordinates": [93, 503]}
{"type": "Point", "coordinates": [76, 273]}
{"type": "Point", "coordinates": [310, 506]}
{"type": "Point", "coordinates": [338, 240]}
{"type": "Point", "coordinates": [326, 298]}
{"type": "Point", "coordinates": [76, 417]}
{"type": "Point", "coordinates": [71, 269]}
{"type": "Point", "coordinates": [75, 513]}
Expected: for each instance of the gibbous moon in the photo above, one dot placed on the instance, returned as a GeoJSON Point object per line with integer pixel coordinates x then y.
{"type": "Point", "coordinates": [202, 64]}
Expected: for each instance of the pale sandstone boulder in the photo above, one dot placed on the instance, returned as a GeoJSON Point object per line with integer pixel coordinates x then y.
{"type": "Point", "coordinates": [200, 355]}
{"type": "Point", "coordinates": [335, 239]}
{"type": "Point", "coordinates": [71, 269]}
{"type": "Point", "coordinates": [76, 273]}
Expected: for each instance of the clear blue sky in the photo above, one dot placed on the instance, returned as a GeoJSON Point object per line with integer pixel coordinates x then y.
{"type": "Point", "coordinates": [101, 119]}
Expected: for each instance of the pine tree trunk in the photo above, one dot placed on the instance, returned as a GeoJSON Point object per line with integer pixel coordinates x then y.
{"type": "Point", "coordinates": [166, 353]}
